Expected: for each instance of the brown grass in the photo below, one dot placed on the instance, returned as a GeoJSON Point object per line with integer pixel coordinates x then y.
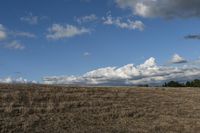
{"type": "Point", "coordinates": [40, 108]}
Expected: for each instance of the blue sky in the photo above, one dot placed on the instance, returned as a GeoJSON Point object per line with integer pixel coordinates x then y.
{"type": "Point", "coordinates": [41, 38]}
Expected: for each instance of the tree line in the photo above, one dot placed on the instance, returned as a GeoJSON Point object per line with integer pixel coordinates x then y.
{"type": "Point", "coordinates": [194, 83]}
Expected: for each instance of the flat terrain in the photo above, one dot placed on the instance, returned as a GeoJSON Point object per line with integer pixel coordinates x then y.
{"type": "Point", "coordinates": [52, 109]}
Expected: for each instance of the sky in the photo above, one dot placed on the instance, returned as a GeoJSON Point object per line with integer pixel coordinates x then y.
{"type": "Point", "coordinates": [99, 42]}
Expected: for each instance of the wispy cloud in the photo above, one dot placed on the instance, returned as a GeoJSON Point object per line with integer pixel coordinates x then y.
{"type": "Point", "coordinates": [23, 34]}
{"type": "Point", "coordinates": [85, 0]}
{"type": "Point", "coordinates": [30, 19]}
{"type": "Point", "coordinates": [86, 54]}
{"type": "Point", "coordinates": [15, 45]}
{"type": "Point", "coordinates": [3, 33]}
{"type": "Point", "coordinates": [58, 31]}
{"type": "Point", "coordinates": [85, 19]}
{"type": "Point", "coordinates": [9, 38]}
{"type": "Point", "coordinates": [127, 24]}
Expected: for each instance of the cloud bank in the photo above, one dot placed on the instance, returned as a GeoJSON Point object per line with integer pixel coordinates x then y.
{"type": "Point", "coordinates": [162, 8]}
{"type": "Point", "coordinates": [20, 80]}
{"type": "Point", "coordinates": [147, 73]}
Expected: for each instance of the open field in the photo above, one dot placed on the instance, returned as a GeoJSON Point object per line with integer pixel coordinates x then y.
{"type": "Point", "coordinates": [39, 108]}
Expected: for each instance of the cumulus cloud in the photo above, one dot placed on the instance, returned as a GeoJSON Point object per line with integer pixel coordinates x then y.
{"type": "Point", "coordinates": [162, 8]}
{"type": "Point", "coordinates": [16, 45]}
{"type": "Point", "coordinates": [85, 19]}
{"type": "Point", "coordinates": [195, 37]}
{"type": "Point", "coordinates": [127, 24]}
{"type": "Point", "coordinates": [147, 73]}
{"type": "Point", "coordinates": [3, 34]}
{"type": "Point", "coordinates": [177, 59]}
{"type": "Point", "coordinates": [19, 80]}
{"type": "Point", "coordinates": [58, 31]}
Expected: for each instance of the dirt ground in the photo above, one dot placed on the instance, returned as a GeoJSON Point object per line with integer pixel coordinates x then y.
{"type": "Point", "coordinates": [53, 109]}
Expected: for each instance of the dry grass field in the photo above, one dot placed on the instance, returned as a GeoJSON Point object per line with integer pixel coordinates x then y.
{"type": "Point", "coordinates": [53, 109]}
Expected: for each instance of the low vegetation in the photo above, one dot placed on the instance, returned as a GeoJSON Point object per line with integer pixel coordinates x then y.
{"type": "Point", "coordinates": [54, 109]}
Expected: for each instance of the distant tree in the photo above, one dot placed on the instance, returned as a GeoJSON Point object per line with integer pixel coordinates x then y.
{"type": "Point", "coordinates": [144, 85]}
{"type": "Point", "coordinates": [195, 83]}
{"type": "Point", "coordinates": [164, 85]}
{"type": "Point", "coordinates": [188, 84]}
{"type": "Point", "coordinates": [173, 84]}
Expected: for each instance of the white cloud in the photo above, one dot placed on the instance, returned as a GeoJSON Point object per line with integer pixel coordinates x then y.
{"type": "Point", "coordinates": [177, 59]}
{"type": "Point", "coordinates": [88, 18]}
{"type": "Point", "coordinates": [3, 34]}
{"type": "Point", "coordinates": [15, 45]}
{"type": "Point", "coordinates": [86, 54]}
{"type": "Point", "coordinates": [20, 80]}
{"type": "Point", "coordinates": [128, 24]}
{"type": "Point", "coordinates": [162, 8]}
{"type": "Point", "coordinates": [146, 73]}
{"type": "Point", "coordinates": [30, 19]}
{"type": "Point", "coordinates": [58, 31]}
